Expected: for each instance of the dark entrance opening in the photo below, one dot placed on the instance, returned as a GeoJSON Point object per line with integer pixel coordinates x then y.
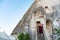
{"type": "Point", "coordinates": [40, 34]}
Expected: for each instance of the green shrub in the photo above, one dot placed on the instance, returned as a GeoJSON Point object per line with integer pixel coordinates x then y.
{"type": "Point", "coordinates": [23, 36]}
{"type": "Point", "coordinates": [56, 31]}
{"type": "Point", "coordinates": [58, 39]}
{"type": "Point", "coordinates": [27, 37]}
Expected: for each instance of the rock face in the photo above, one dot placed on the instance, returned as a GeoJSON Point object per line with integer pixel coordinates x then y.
{"type": "Point", "coordinates": [45, 11]}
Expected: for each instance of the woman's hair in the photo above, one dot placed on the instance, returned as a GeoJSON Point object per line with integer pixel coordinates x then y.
{"type": "Point", "coordinates": [38, 22]}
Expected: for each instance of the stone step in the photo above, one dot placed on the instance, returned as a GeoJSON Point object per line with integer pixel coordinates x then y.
{"type": "Point", "coordinates": [39, 37]}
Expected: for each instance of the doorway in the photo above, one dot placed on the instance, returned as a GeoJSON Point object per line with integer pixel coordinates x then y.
{"type": "Point", "coordinates": [48, 24]}
{"type": "Point", "coordinates": [49, 28]}
{"type": "Point", "coordinates": [40, 34]}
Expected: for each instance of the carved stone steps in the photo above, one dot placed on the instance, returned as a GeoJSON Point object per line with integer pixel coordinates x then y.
{"type": "Point", "coordinates": [40, 37]}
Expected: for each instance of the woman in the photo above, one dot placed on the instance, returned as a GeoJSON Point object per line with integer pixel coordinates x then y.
{"type": "Point", "coordinates": [39, 28]}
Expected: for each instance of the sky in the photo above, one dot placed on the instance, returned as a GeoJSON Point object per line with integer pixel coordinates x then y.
{"type": "Point", "coordinates": [11, 12]}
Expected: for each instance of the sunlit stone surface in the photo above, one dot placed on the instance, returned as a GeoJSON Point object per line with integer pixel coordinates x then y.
{"type": "Point", "coordinates": [46, 11]}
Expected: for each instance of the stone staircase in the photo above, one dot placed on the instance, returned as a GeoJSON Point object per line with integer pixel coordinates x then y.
{"type": "Point", "coordinates": [40, 37]}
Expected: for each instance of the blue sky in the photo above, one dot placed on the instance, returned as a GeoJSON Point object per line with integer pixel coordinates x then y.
{"type": "Point", "coordinates": [11, 11]}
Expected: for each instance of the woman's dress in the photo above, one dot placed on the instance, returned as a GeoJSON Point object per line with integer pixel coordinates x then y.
{"type": "Point", "coordinates": [40, 29]}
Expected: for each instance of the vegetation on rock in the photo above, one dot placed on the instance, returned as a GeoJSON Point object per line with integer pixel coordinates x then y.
{"type": "Point", "coordinates": [23, 36]}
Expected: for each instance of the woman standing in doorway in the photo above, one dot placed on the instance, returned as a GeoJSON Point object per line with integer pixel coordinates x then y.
{"type": "Point", "coordinates": [39, 28]}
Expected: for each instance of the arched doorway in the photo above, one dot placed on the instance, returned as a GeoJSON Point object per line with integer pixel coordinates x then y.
{"type": "Point", "coordinates": [39, 27]}
{"type": "Point", "coordinates": [49, 28]}
{"type": "Point", "coordinates": [40, 34]}
{"type": "Point", "coordinates": [48, 24]}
